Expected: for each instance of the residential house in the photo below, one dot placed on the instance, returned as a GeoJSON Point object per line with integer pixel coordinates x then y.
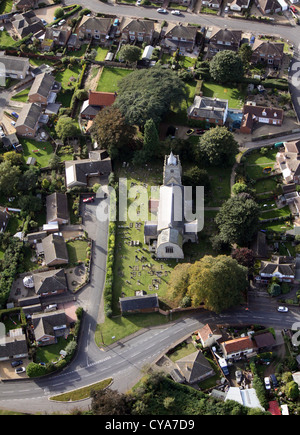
{"type": "Point", "coordinates": [94, 28]}
{"type": "Point", "coordinates": [28, 122]}
{"type": "Point", "coordinates": [288, 162]}
{"type": "Point", "coordinates": [43, 90]}
{"type": "Point", "coordinates": [282, 268]}
{"type": "Point", "coordinates": [223, 39]}
{"type": "Point", "coordinates": [14, 346]}
{"type": "Point", "coordinates": [10, 141]}
{"type": "Point", "coordinates": [253, 115]}
{"type": "Point", "coordinates": [55, 250]}
{"type": "Point", "coordinates": [36, 237]}
{"type": "Point", "coordinates": [209, 335]}
{"type": "Point", "coordinates": [238, 5]}
{"type": "Point", "coordinates": [264, 341]}
{"type": "Point", "coordinates": [192, 368]}
{"type": "Point", "coordinates": [13, 67]}
{"type": "Point", "coordinates": [55, 37]}
{"type": "Point", "coordinates": [96, 102]}
{"type": "Point", "coordinates": [176, 36]}
{"type": "Point", "coordinates": [139, 304]}
{"type": "Point", "coordinates": [238, 347]}
{"type": "Point", "coordinates": [213, 4]}
{"type": "Point", "coordinates": [211, 110]}
{"type": "Point", "coordinates": [267, 52]}
{"type": "Point", "coordinates": [268, 7]}
{"type": "Point", "coordinates": [137, 30]}
{"type": "Point", "coordinates": [57, 208]}
{"type": "Point", "coordinates": [49, 326]}
{"type": "Point", "coordinates": [50, 283]}
{"type": "Point", "coordinates": [4, 218]}
{"type": "Point", "coordinates": [25, 5]}
{"type": "Point", "coordinates": [79, 172]}
{"type": "Point", "coordinates": [27, 23]}
{"type": "Point", "coordinates": [170, 231]}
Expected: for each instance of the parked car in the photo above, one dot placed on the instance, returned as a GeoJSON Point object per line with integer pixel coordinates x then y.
{"type": "Point", "coordinates": [226, 10]}
{"type": "Point", "coordinates": [175, 12]}
{"type": "Point", "coordinates": [15, 114]}
{"type": "Point", "coordinates": [190, 131]}
{"type": "Point", "coordinates": [274, 381]}
{"type": "Point", "coordinates": [292, 8]}
{"type": "Point", "coordinates": [16, 363]}
{"type": "Point", "coordinates": [282, 309]}
{"type": "Point", "coordinates": [200, 131]}
{"type": "Point", "coordinates": [62, 22]}
{"type": "Point", "coordinates": [267, 383]}
{"type": "Point", "coordinates": [238, 376]}
{"type": "Point", "coordinates": [139, 2]}
{"type": "Point", "coordinates": [20, 370]}
{"type": "Point", "coordinates": [13, 123]}
{"type": "Point", "coordinates": [91, 199]}
{"type": "Point", "coordinates": [162, 11]}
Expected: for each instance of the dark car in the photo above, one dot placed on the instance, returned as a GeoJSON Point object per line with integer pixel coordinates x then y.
{"type": "Point", "coordinates": [200, 131]}
{"type": "Point", "coordinates": [274, 381]}
{"type": "Point", "coordinates": [16, 363]}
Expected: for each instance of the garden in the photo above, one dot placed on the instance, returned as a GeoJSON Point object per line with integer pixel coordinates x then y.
{"type": "Point", "coordinates": [110, 78]}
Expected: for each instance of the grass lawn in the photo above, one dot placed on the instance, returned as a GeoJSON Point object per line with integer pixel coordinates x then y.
{"type": "Point", "coordinates": [21, 96]}
{"type": "Point", "coordinates": [182, 352]}
{"type": "Point", "coordinates": [277, 212]}
{"type": "Point", "coordinates": [68, 76]}
{"type": "Point", "coordinates": [78, 53]}
{"type": "Point", "coordinates": [234, 96]}
{"type": "Point", "coordinates": [50, 353]}
{"type": "Point", "coordinates": [77, 250]}
{"type": "Point", "coordinates": [65, 98]}
{"type": "Point", "coordinates": [5, 39]}
{"type": "Point", "coordinates": [43, 154]}
{"type": "Point", "coordinates": [101, 53]}
{"type": "Point", "coordinates": [110, 78]}
{"type": "Point", "coordinates": [82, 393]}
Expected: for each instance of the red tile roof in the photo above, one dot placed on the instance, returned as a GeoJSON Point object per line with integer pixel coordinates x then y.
{"type": "Point", "coordinates": [101, 98]}
{"type": "Point", "coordinates": [238, 345]}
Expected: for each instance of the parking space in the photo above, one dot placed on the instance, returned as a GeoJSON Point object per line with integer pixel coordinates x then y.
{"type": "Point", "coordinates": [9, 372]}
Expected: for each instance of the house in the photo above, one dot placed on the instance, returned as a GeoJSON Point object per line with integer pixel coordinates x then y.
{"type": "Point", "coordinates": [94, 28]}
{"type": "Point", "coordinates": [267, 52]}
{"type": "Point", "coordinates": [14, 346]}
{"type": "Point", "coordinates": [139, 304]}
{"type": "Point", "coordinates": [28, 122]}
{"type": "Point", "coordinates": [137, 30]}
{"type": "Point", "coordinates": [238, 347]}
{"type": "Point", "coordinates": [213, 4]}
{"type": "Point", "coordinates": [96, 102]}
{"type": "Point", "coordinates": [211, 110]}
{"type": "Point", "coordinates": [37, 237]}
{"type": "Point", "coordinates": [170, 231]}
{"type": "Point", "coordinates": [79, 172]}
{"type": "Point", "coordinates": [265, 341]}
{"type": "Point", "coordinates": [282, 268]}
{"type": "Point", "coordinates": [238, 5]}
{"type": "Point", "coordinates": [223, 39]}
{"type": "Point", "coordinates": [25, 5]}
{"type": "Point", "coordinates": [55, 250]}
{"type": "Point", "coordinates": [253, 115]}
{"type": "Point", "coordinates": [10, 141]}
{"type": "Point", "coordinates": [55, 37]}
{"type": "Point", "coordinates": [27, 23]}
{"type": "Point", "coordinates": [268, 7]}
{"type": "Point", "coordinates": [57, 208]}
{"type": "Point", "coordinates": [49, 326]}
{"type": "Point", "coordinates": [209, 335]}
{"type": "Point", "coordinates": [193, 368]}
{"type": "Point", "coordinates": [4, 218]}
{"type": "Point", "coordinates": [13, 67]}
{"type": "Point", "coordinates": [288, 162]}
{"type": "Point", "coordinates": [176, 36]}
{"type": "Point", "coordinates": [43, 90]}
{"type": "Point", "coordinates": [246, 398]}
{"type": "Point", "coordinates": [52, 282]}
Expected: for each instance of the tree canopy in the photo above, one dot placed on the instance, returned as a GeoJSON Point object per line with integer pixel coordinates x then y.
{"type": "Point", "coordinates": [227, 67]}
{"type": "Point", "coordinates": [146, 94]}
{"type": "Point", "coordinates": [218, 147]}
{"type": "Point", "coordinates": [130, 53]}
{"type": "Point", "coordinates": [66, 127]}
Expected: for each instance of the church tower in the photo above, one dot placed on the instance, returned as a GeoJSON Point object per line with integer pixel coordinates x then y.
{"type": "Point", "coordinates": [172, 170]}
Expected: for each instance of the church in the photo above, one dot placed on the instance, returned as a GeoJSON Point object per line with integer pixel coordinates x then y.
{"type": "Point", "coordinates": [170, 231]}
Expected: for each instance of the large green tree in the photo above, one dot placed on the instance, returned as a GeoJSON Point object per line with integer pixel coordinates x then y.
{"type": "Point", "coordinates": [218, 147]}
{"type": "Point", "coordinates": [146, 94]}
{"type": "Point", "coordinates": [227, 67]}
{"type": "Point", "coordinates": [238, 220]}
{"type": "Point", "coordinates": [130, 53]}
{"type": "Point", "coordinates": [66, 127]}
{"type": "Point", "coordinates": [9, 178]}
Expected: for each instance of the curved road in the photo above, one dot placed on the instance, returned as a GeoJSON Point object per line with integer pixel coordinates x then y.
{"type": "Point", "coordinates": [124, 360]}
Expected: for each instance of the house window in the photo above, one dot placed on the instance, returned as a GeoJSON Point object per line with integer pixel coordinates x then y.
{"type": "Point", "coordinates": [169, 250]}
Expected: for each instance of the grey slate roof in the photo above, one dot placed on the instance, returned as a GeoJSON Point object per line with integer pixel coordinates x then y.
{"type": "Point", "coordinates": [29, 115]}
{"type": "Point", "coordinates": [52, 280]}
{"type": "Point", "coordinates": [194, 367]}
{"type": "Point", "coordinates": [55, 248]}
{"type": "Point", "coordinates": [14, 346]}
{"type": "Point", "coordinates": [57, 207]}
{"type": "Point", "coordinates": [209, 108]}
{"type": "Point", "coordinates": [13, 63]}
{"type": "Point", "coordinates": [42, 85]}
{"type": "Point", "coordinates": [138, 302]}
{"type": "Point", "coordinates": [44, 323]}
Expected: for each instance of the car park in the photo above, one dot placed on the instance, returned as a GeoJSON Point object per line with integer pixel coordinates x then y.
{"type": "Point", "coordinates": [282, 309]}
{"type": "Point", "coordinates": [162, 11]}
{"type": "Point", "coordinates": [91, 199]}
{"type": "Point", "coordinates": [20, 370]}
{"type": "Point", "coordinates": [176, 12]}
{"type": "Point", "coordinates": [267, 383]}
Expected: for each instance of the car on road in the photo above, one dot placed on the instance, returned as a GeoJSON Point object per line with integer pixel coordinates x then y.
{"type": "Point", "coordinates": [20, 370]}
{"type": "Point", "coordinates": [175, 12]}
{"type": "Point", "coordinates": [17, 363]}
{"type": "Point", "coordinates": [190, 131]}
{"type": "Point", "coordinates": [267, 383]}
{"type": "Point", "coordinates": [282, 309]}
{"type": "Point", "coordinates": [162, 11]}
{"type": "Point", "coordinates": [90, 199]}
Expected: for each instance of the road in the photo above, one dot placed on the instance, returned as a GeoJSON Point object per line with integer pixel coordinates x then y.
{"type": "Point", "coordinates": [124, 360]}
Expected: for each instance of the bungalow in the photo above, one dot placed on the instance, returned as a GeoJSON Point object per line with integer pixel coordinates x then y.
{"type": "Point", "coordinates": [13, 67]}
{"type": "Point", "coordinates": [43, 90]}
{"type": "Point", "coordinates": [238, 5]}
{"type": "Point", "coordinates": [139, 304]}
{"type": "Point", "coordinates": [57, 208]}
{"type": "Point", "coordinates": [238, 347]}
{"type": "Point", "coordinates": [253, 115]}
{"type": "Point", "coordinates": [49, 326]}
{"type": "Point", "coordinates": [193, 368]}
{"type": "Point", "coordinates": [28, 122]}
{"type": "Point", "coordinates": [94, 28]}
{"type": "Point", "coordinates": [213, 4]}
{"type": "Point", "coordinates": [223, 39]}
{"type": "Point", "coordinates": [288, 162]}
{"type": "Point", "coordinates": [14, 346]}
{"type": "Point", "coordinates": [4, 218]}
{"type": "Point", "coordinates": [282, 268]}
{"type": "Point", "coordinates": [137, 30]}
{"type": "Point", "coordinates": [209, 335]}
{"type": "Point", "coordinates": [55, 250]}
{"type": "Point", "coordinates": [265, 341]}
{"type": "Point", "coordinates": [176, 36]}
{"type": "Point", "coordinates": [50, 282]}
{"type": "Point", "coordinates": [211, 110]}
{"type": "Point", "coordinates": [96, 102]}
{"type": "Point", "coordinates": [267, 52]}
